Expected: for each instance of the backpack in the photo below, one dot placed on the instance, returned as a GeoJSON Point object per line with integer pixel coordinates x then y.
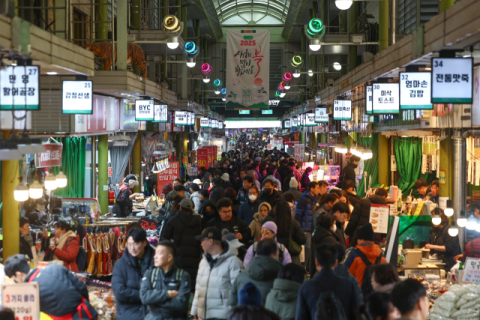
{"type": "Point", "coordinates": [81, 257]}
{"type": "Point", "coordinates": [367, 288]}
{"type": "Point", "coordinates": [154, 276]}
{"type": "Point", "coordinates": [329, 307]}
{"type": "Point", "coordinates": [280, 254]}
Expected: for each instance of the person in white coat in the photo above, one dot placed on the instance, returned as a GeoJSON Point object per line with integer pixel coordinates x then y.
{"type": "Point", "coordinates": [195, 196]}
{"type": "Point", "coordinates": [216, 274]}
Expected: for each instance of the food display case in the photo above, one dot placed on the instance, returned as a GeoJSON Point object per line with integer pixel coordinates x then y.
{"type": "Point", "coordinates": [329, 173]}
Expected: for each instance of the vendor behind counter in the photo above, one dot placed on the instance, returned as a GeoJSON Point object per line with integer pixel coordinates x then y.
{"type": "Point", "coordinates": [123, 205]}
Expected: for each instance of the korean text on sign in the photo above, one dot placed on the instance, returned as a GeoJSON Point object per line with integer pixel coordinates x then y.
{"type": "Point", "coordinates": [23, 299]}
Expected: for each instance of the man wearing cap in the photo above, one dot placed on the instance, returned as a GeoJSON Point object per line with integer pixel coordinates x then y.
{"type": "Point", "coordinates": [123, 204]}
{"type": "Point", "coordinates": [293, 183]}
{"type": "Point", "coordinates": [226, 181]}
{"type": "Point", "coordinates": [217, 271]}
{"type": "Point", "coordinates": [61, 293]}
{"type": "Point", "coordinates": [217, 191]}
{"type": "Point", "coordinates": [226, 220]}
{"type": "Point", "coordinates": [195, 196]}
{"type": "Point", "coordinates": [182, 229]}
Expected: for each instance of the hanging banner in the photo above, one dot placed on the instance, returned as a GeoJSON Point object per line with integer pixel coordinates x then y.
{"type": "Point", "coordinates": [248, 61]}
{"type": "Point", "coordinates": [168, 175]}
{"type": "Point", "coordinates": [202, 158]}
{"type": "Point", "coordinates": [52, 157]}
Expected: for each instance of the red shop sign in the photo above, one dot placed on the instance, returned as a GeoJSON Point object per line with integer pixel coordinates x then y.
{"type": "Point", "coordinates": [168, 175]}
{"type": "Point", "coordinates": [52, 157]}
{"type": "Point", "coordinates": [202, 158]}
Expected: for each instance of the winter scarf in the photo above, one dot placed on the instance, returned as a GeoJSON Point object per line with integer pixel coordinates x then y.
{"type": "Point", "coordinates": [61, 242]}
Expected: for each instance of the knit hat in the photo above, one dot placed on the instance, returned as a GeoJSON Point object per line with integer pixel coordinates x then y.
{"type": "Point", "coordinates": [270, 225]}
{"type": "Point", "coordinates": [249, 295]}
{"type": "Point", "coordinates": [194, 187]}
{"type": "Point", "coordinates": [186, 203]}
{"type": "Point", "coordinates": [365, 233]}
{"type": "Point", "coordinates": [293, 183]}
{"type": "Point", "coordinates": [231, 238]}
{"type": "Point", "coordinates": [225, 177]}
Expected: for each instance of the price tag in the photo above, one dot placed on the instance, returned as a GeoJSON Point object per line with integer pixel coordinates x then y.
{"type": "Point", "coordinates": [471, 272]}
{"type": "Point", "coordinates": [23, 299]}
{"type": "Point", "coordinates": [379, 214]}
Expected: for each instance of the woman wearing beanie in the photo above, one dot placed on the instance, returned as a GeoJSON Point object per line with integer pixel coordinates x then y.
{"type": "Point", "coordinates": [256, 225]}
{"type": "Point", "coordinates": [268, 231]}
{"type": "Point", "coordinates": [293, 183]}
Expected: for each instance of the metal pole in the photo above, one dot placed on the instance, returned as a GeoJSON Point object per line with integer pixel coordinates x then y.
{"type": "Point", "coordinates": [94, 167]}
{"type": "Point", "coordinates": [383, 25]}
{"type": "Point", "coordinates": [459, 180]}
{"type": "Point", "coordinates": [122, 35]}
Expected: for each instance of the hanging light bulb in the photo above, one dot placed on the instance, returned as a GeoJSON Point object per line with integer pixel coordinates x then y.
{"type": "Point", "coordinates": [449, 210]}
{"type": "Point", "coordinates": [224, 99]}
{"type": "Point", "coordinates": [367, 154]}
{"type": "Point", "coordinates": [36, 190]}
{"type": "Point", "coordinates": [310, 73]}
{"type": "Point", "coordinates": [353, 149]}
{"type": "Point", "coordinates": [287, 87]}
{"type": "Point", "coordinates": [337, 66]}
{"type": "Point", "coordinates": [191, 62]}
{"type": "Point", "coordinates": [50, 181]}
{"type": "Point", "coordinates": [477, 229]}
{"type": "Point", "coordinates": [61, 179]}
{"type": "Point", "coordinates": [206, 80]}
{"type": "Point", "coordinates": [296, 73]}
{"type": "Point", "coordinates": [282, 94]}
{"type": "Point", "coordinates": [436, 220]}
{"type": "Point", "coordinates": [20, 193]}
{"type": "Point", "coordinates": [453, 230]}
{"type": "Point", "coordinates": [341, 148]}
{"type": "Point", "coordinates": [471, 223]}
{"type": "Point", "coordinates": [173, 43]}
{"type": "Point", "coordinates": [343, 4]}
{"type": "Point", "coordinates": [462, 221]}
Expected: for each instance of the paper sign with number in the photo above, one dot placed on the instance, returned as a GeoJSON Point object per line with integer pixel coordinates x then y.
{"type": "Point", "coordinates": [379, 215]}
{"type": "Point", "coordinates": [471, 272]}
{"type": "Point", "coordinates": [23, 299]}
{"type": "Point", "coordinates": [168, 175]}
{"type": "Point", "coordinates": [202, 158]}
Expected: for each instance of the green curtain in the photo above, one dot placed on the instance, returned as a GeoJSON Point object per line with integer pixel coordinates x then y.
{"type": "Point", "coordinates": [408, 156]}
{"type": "Point", "coordinates": [371, 166]}
{"type": "Point", "coordinates": [73, 163]}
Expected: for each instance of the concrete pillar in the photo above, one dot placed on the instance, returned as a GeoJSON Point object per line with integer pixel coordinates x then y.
{"type": "Point", "coordinates": [352, 50]}
{"type": "Point", "coordinates": [103, 172]}
{"type": "Point", "coordinates": [122, 34]}
{"type": "Point", "coordinates": [11, 216]}
{"type": "Point", "coordinates": [136, 25]}
{"type": "Point", "coordinates": [383, 160]}
{"type": "Point", "coordinates": [137, 160]}
{"type": "Point", "coordinates": [101, 10]}
{"type": "Point", "coordinates": [60, 17]}
{"type": "Point", "coordinates": [383, 25]}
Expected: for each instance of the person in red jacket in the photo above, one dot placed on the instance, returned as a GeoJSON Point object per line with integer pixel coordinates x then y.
{"type": "Point", "coordinates": [66, 246]}
{"type": "Point", "coordinates": [366, 253]}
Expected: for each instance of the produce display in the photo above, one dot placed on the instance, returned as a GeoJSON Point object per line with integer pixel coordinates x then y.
{"type": "Point", "coordinates": [460, 302]}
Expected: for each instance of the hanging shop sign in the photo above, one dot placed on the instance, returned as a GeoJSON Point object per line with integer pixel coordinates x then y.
{"type": "Point", "coordinates": [287, 124]}
{"type": "Point", "coordinates": [302, 120]}
{"type": "Point", "coordinates": [203, 122]}
{"type": "Point", "coordinates": [243, 111]}
{"type": "Point", "coordinates": [248, 61]}
{"type": "Point", "coordinates": [19, 88]}
{"type": "Point", "coordinates": [77, 97]}
{"type": "Point", "coordinates": [294, 122]}
{"type": "Point", "coordinates": [369, 100]}
{"type": "Point", "coordinates": [452, 80]}
{"type": "Point", "coordinates": [321, 115]}
{"type": "Point", "coordinates": [189, 118]}
{"type": "Point", "coordinates": [52, 157]}
{"type": "Point", "coordinates": [168, 175]}
{"type": "Point", "coordinates": [23, 299]}
{"type": "Point", "coordinates": [202, 158]}
{"type": "Point", "coordinates": [310, 119]}
{"type": "Point", "coordinates": [342, 109]}
{"type": "Point", "coordinates": [386, 98]}
{"type": "Point", "coordinates": [160, 113]}
{"type": "Point", "coordinates": [210, 123]}
{"type": "Point", "coordinates": [415, 91]}
{"type": "Point", "coordinates": [220, 125]}
{"type": "Point", "coordinates": [267, 111]}
{"type": "Point", "coordinates": [192, 119]}
{"type": "Point", "coordinates": [181, 118]}
{"type": "Point", "coordinates": [144, 110]}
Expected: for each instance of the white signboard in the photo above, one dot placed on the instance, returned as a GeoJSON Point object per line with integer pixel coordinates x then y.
{"type": "Point", "coordinates": [277, 143]}
{"type": "Point", "coordinates": [192, 119]}
{"type": "Point", "coordinates": [19, 88]}
{"type": "Point", "coordinates": [77, 97]}
{"type": "Point", "coordinates": [369, 100]}
{"type": "Point", "coordinates": [302, 120]}
{"type": "Point", "coordinates": [476, 99]}
{"type": "Point", "coordinates": [160, 113]}
{"type": "Point", "coordinates": [248, 62]}
{"type": "Point", "coordinates": [144, 110]}
{"type": "Point", "coordinates": [220, 125]}
{"type": "Point", "coordinates": [189, 120]}
{"type": "Point", "coordinates": [386, 98]}
{"type": "Point", "coordinates": [287, 124]}
{"type": "Point", "coordinates": [310, 119]}
{"type": "Point", "coordinates": [181, 118]}
{"type": "Point", "coordinates": [210, 123]}
{"type": "Point", "coordinates": [321, 115]}
{"type": "Point", "coordinates": [379, 215]}
{"type": "Point", "coordinates": [204, 122]}
{"type": "Point", "coordinates": [452, 80]}
{"type": "Point", "coordinates": [294, 122]}
{"type": "Point", "coordinates": [415, 91]}
{"type": "Point", "coordinates": [23, 299]}
{"type": "Point", "coordinates": [471, 271]}
{"type": "Point", "coordinates": [342, 109]}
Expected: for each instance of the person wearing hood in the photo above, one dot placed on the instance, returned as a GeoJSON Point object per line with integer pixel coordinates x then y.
{"type": "Point", "coordinates": [123, 205]}
{"type": "Point", "coordinates": [217, 191]}
{"type": "Point", "coordinates": [206, 180]}
{"type": "Point", "coordinates": [248, 209]}
{"type": "Point", "coordinates": [217, 272]}
{"type": "Point", "coordinates": [325, 233]}
{"type": "Point", "coordinates": [208, 212]}
{"type": "Point", "coordinates": [195, 196]}
{"type": "Point", "coordinates": [230, 193]}
{"type": "Point", "coordinates": [366, 253]}
{"type": "Point", "coordinates": [282, 299]}
{"type": "Point", "coordinates": [268, 231]}
{"type": "Point", "coordinates": [226, 220]}
{"type": "Point", "coordinates": [256, 225]}
{"type": "Point", "coordinates": [294, 189]}
{"type": "Point", "coordinates": [361, 213]}
{"type": "Point", "coordinates": [170, 198]}
{"type": "Point", "coordinates": [261, 271]}
{"type": "Point", "coordinates": [182, 230]}
{"type": "Point", "coordinates": [127, 275]}
{"type": "Point", "coordinates": [269, 194]}
{"type": "Point", "coordinates": [349, 169]}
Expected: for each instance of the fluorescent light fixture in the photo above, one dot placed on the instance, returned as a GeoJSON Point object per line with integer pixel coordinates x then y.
{"type": "Point", "coordinates": [52, 73]}
{"type": "Point", "coordinates": [296, 73]}
{"type": "Point", "coordinates": [343, 4]}
{"type": "Point", "coordinates": [173, 43]}
{"type": "Point", "coordinates": [315, 44]}
{"type": "Point", "coordinates": [191, 62]}
{"type": "Point", "coordinates": [337, 66]}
